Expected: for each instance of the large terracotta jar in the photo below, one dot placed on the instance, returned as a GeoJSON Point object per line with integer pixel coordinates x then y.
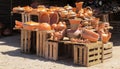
{"type": "Point", "coordinates": [74, 23]}
{"type": "Point", "coordinates": [90, 35]}
{"type": "Point", "coordinates": [79, 5]}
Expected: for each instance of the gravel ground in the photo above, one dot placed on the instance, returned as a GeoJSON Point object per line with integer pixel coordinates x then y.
{"type": "Point", "coordinates": [12, 58]}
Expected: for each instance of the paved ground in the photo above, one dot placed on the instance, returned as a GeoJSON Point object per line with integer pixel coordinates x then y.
{"type": "Point", "coordinates": [12, 58]}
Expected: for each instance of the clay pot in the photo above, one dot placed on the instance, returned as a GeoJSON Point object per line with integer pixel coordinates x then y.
{"type": "Point", "coordinates": [28, 9]}
{"type": "Point", "coordinates": [68, 7]}
{"type": "Point", "coordinates": [44, 27]}
{"type": "Point", "coordinates": [19, 9]}
{"type": "Point", "coordinates": [95, 22]}
{"type": "Point", "coordinates": [61, 26]}
{"type": "Point", "coordinates": [18, 24]}
{"type": "Point", "coordinates": [63, 14]}
{"type": "Point", "coordinates": [58, 36]}
{"type": "Point", "coordinates": [54, 26]}
{"type": "Point", "coordinates": [90, 35]}
{"type": "Point", "coordinates": [74, 23]}
{"type": "Point", "coordinates": [71, 14]}
{"type": "Point", "coordinates": [88, 12]}
{"type": "Point", "coordinates": [44, 17]}
{"type": "Point", "coordinates": [54, 17]}
{"type": "Point", "coordinates": [79, 5]}
{"type": "Point", "coordinates": [105, 37]}
{"type": "Point", "coordinates": [73, 33]}
{"type": "Point", "coordinates": [31, 25]}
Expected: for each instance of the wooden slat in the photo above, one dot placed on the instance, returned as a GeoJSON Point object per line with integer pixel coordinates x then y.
{"type": "Point", "coordinates": [85, 56]}
{"type": "Point", "coordinates": [55, 51]}
{"type": "Point", "coordinates": [95, 57]}
{"type": "Point", "coordinates": [37, 43]}
{"type": "Point", "coordinates": [107, 56]}
{"type": "Point", "coordinates": [22, 35]}
{"type": "Point", "coordinates": [80, 55]}
{"type": "Point", "coordinates": [25, 42]}
{"type": "Point", "coordinates": [51, 50]}
{"type": "Point", "coordinates": [75, 54]}
{"type": "Point", "coordinates": [107, 51]}
{"type": "Point", "coordinates": [41, 42]}
{"type": "Point", "coordinates": [46, 49]}
{"type": "Point", "coordinates": [93, 63]}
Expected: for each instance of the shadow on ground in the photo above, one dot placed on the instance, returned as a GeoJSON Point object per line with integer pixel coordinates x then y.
{"type": "Point", "coordinates": [17, 53]}
{"type": "Point", "coordinates": [15, 42]}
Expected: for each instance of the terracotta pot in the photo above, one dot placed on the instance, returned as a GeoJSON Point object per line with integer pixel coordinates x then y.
{"type": "Point", "coordinates": [44, 17]}
{"type": "Point", "coordinates": [44, 27]}
{"type": "Point", "coordinates": [54, 26]}
{"type": "Point", "coordinates": [71, 14]}
{"type": "Point", "coordinates": [73, 33]}
{"type": "Point", "coordinates": [54, 17]}
{"type": "Point", "coordinates": [88, 12]}
{"type": "Point", "coordinates": [61, 26]}
{"type": "Point", "coordinates": [79, 5]}
{"type": "Point", "coordinates": [105, 37]}
{"type": "Point", "coordinates": [90, 35]}
{"type": "Point", "coordinates": [18, 24]}
{"type": "Point", "coordinates": [68, 7]}
{"type": "Point", "coordinates": [95, 22]}
{"type": "Point", "coordinates": [28, 9]}
{"type": "Point", "coordinates": [74, 23]}
{"type": "Point", "coordinates": [63, 14]}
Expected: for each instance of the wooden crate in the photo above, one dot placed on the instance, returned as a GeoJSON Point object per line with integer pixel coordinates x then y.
{"type": "Point", "coordinates": [58, 50]}
{"type": "Point", "coordinates": [51, 50]}
{"type": "Point", "coordinates": [107, 51]}
{"type": "Point", "coordinates": [41, 42]}
{"type": "Point", "coordinates": [27, 41]}
{"type": "Point", "coordinates": [87, 54]}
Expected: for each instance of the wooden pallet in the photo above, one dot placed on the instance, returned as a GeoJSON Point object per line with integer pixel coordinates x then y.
{"type": "Point", "coordinates": [87, 54]}
{"type": "Point", "coordinates": [41, 40]}
{"type": "Point", "coordinates": [25, 40]}
{"type": "Point", "coordinates": [107, 51]}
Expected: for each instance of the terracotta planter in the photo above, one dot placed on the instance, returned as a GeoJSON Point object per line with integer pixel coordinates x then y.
{"type": "Point", "coordinates": [74, 23]}
{"type": "Point", "coordinates": [79, 5]}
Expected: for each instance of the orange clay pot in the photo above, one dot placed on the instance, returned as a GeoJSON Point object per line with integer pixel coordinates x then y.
{"type": "Point", "coordinates": [44, 27]}
{"type": "Point", "coordinates": [90, 35]}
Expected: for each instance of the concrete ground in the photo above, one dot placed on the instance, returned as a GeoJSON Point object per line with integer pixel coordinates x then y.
{"type": "Point", "coordinates": [12, 58]}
